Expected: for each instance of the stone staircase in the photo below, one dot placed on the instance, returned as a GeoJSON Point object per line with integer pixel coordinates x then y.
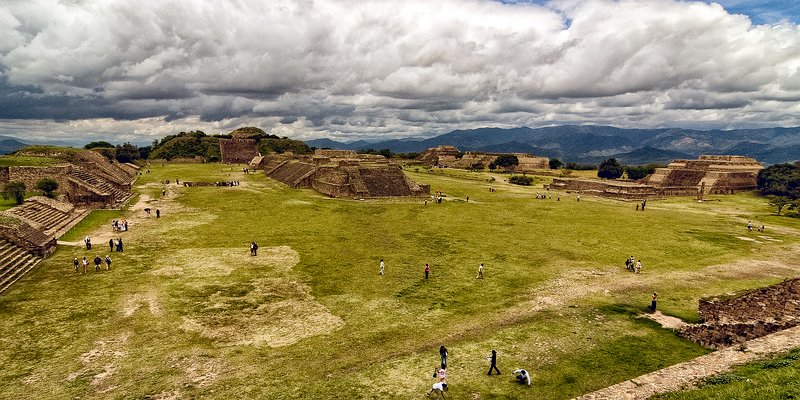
{"type": "Point", "coordinates": [101, 185]}
{"type": "Point", "coordinates": [292, 173]}
{"type": "Point", "coordinates": [15, 262]}
{"type": "Point", "coordinates": [49, 215]}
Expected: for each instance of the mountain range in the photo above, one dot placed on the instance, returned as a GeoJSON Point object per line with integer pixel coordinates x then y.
{"type": "Point", "coordinates": [591, 144]}
{"type": "Point", "coordinates": [9, 144]}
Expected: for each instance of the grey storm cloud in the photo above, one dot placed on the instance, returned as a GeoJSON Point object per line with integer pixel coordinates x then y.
{"type": "Point", "coordinates": [311, 68]}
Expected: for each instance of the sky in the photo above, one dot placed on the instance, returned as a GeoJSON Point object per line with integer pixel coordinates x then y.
{"type": "Point", "coordinates": [121, 70]}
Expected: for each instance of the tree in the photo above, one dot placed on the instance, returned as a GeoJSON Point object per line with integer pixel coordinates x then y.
{"type": "Point", "coordinates": [610, 169]}
{"type": "Point", "coordinates": [521, 180]}
{"type": "Point", "coordinates": [555, 163]}
{"type": "Point", "coordinates": [507, 161]}
{"type": "Point", "coordinates": [780, 202]}
{"type": "Point", "coordinates": [16, 190]}
{"type": "Point", "coordinates": [47, 186]}
{"type": "Point", "coordinates": [780, 180]}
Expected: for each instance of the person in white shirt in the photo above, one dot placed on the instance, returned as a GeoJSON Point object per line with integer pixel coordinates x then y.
{"type": "Point", "coordinates": [523, 376]}
{"type": "Point", "coordinates": [380, 271]}
{"type": "Point", "coordinates": [439, 388]}
{"type": "Point", "coordinates": [480, 272]}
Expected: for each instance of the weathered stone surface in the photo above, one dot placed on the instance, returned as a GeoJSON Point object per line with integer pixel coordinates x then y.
{"type": "Point", "coordinates": [714, 174]}
{"type": "Point", "coordinates": [238, 151]}
{"type": "Point", "coordinates": [343, 174]}
{"type": "Point", "coordinates": [728, 321]}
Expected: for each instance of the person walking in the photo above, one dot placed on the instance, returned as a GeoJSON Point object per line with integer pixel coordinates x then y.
{"type": "Point", "coordinates": [253, 249]}
{"type": "Point", "coordinates": [85, 264]}
{"type": "Point", "coordinates": [97, 262]}
{"type": "Point", "coordinates": [653, 302]}
{"type": "Point", "coordinates": [119, 246]}
{"type": "Point", "coordinates": [638, 266]}
{"type": "Point", "coordinates": [493, 362]}
{"type": "Point", "coordinates": [108, 263]}
{"type": "Point", "coordinates": [158, 213]}
{"type": "Point", "coordinates": [88, 242]}
{"type": "Point", "coordinates": [439, 388]}
{"type": "Point", "coordinates": [75, 263]}
{"type": "Point", "coordinates": [427, 270]}
{"type": "Point", "coordinates": [480, 272]}
{"type": "Point", "coordinates": [443, 356]}
{"type": "Point", "coordinates": [111, 244]}
{"type": "Point", "coordinates": [380, 268]}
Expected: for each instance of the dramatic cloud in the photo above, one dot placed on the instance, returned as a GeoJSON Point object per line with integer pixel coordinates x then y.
{"type": "Point", "coordinates": [361, 68]}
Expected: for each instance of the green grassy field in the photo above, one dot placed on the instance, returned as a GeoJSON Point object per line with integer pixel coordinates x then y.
{"type": "Point", "coordinates": [185, 312]}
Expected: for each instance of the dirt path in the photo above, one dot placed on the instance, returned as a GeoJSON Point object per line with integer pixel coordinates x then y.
{"type": "Point", "coordinates": [689, 373]}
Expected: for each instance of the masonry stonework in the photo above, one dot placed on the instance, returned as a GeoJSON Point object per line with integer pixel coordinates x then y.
{"type": "Point", "coordinates": [748, 316]}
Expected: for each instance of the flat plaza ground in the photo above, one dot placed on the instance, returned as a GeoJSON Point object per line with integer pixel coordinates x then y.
{"type": "Point", "coordinates": [185, 312]}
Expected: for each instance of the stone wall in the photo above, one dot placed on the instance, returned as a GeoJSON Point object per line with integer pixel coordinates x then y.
{"type": "Point", "coordinates": [529, 163]}
{"type": "Point", "coordinates": [614, 189]}
{"type": "Point", "coordinates": [23, 235]}
{"type": "Point", "coordinates": [772, 303]}
{"type": "Point", "coordinates": [754, 314]}
{"type": "Point", "coordinates": [335, 153]}
{"type": "Point", "coordinates": [237, 151]}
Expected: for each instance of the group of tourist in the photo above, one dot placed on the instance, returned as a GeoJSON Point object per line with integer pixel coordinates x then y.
{"type": "Point", "coordinates": [440, 373]}
{"type": "Point", "coordinates": [97, 263]}
{"type": "Point", "coordinates": [118, 226]}
{"type": "Point", "coordinates": [545, 196]}
{"type": "Point", "coordinates": [116, 244]}
{"type": "Point", "coordinates": [761, 228]}
{"type": "Point", "coordinates": [254, 249]}
{"type": "Point", "coordinates": [641, 205]}
{"type": "Point", "coordinates": [633, 265]}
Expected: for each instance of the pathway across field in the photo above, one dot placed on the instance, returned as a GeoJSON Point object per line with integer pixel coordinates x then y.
{"type": "Point", "coordinates": [689, 373]}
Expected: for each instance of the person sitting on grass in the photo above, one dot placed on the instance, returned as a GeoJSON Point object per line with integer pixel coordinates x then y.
{"type": "Point", "coordinates": [439, 388]}
{"type": "Point", "coordinates": [523, 376]}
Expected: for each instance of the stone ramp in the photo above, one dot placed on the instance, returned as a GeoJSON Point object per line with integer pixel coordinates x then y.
{"type": "Point", "coordinates": [15, 262]}
{"type": "Point", "coordinates": [293, 173]}
{"type": "Point", "coordinates": [690, 373]}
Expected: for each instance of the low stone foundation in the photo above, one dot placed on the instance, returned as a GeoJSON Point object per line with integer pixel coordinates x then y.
{"type": "Point", "coordinates": [729, 321]}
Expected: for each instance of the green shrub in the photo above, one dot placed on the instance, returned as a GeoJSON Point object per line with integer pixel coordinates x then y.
{"type": "Point", "coordinates": [521, 180]}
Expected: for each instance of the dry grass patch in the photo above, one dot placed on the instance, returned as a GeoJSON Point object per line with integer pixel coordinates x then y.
{"type": "Point", "coordinates": [270, 311]}
{"type": "Point", "coordinates": [215, 261]}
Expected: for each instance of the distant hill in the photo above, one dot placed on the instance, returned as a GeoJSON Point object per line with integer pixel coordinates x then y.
{"type": "Point", "coordinates": [10, 145]}
{"type": "Point", "coordinates": [592, 143]}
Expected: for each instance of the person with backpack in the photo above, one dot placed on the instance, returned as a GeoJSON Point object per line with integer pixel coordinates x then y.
{"type": "Point", "coordinates": [97, 262]}
{"type": "Point", "coordinates": [108, 263]}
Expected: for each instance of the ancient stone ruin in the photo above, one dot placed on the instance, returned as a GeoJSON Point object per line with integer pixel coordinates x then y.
{"type": "Point", "coordinates": [621, 190]}
{"type": "Point", "coordinates": [238, 151]}
{"type": "Point", "coordinates": [706, 175]}
{"type": "Point", "coordinates": [84, 177]}
{"type": "Point", "coordinates": [52, 217]}
{"type": "Point", "coordinates": [22, 246]}
{"type": "Point", "coordinates": [729, 321]}
{"type": "Point", "coordinates": [343, 173]}
{"type": "Point", "coordinates": [449, 156]}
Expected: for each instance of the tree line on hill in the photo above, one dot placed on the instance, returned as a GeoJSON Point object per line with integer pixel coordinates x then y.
{"type": "Point", "coordinates": [193, 144]}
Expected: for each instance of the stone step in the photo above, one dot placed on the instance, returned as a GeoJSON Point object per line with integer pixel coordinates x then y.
{"type": "Point", "coordinates": [7, 249]}
{"type": "Point", "coordinates": [20, 272]}
{"type": "Point", "coordinates": [8, 268]}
